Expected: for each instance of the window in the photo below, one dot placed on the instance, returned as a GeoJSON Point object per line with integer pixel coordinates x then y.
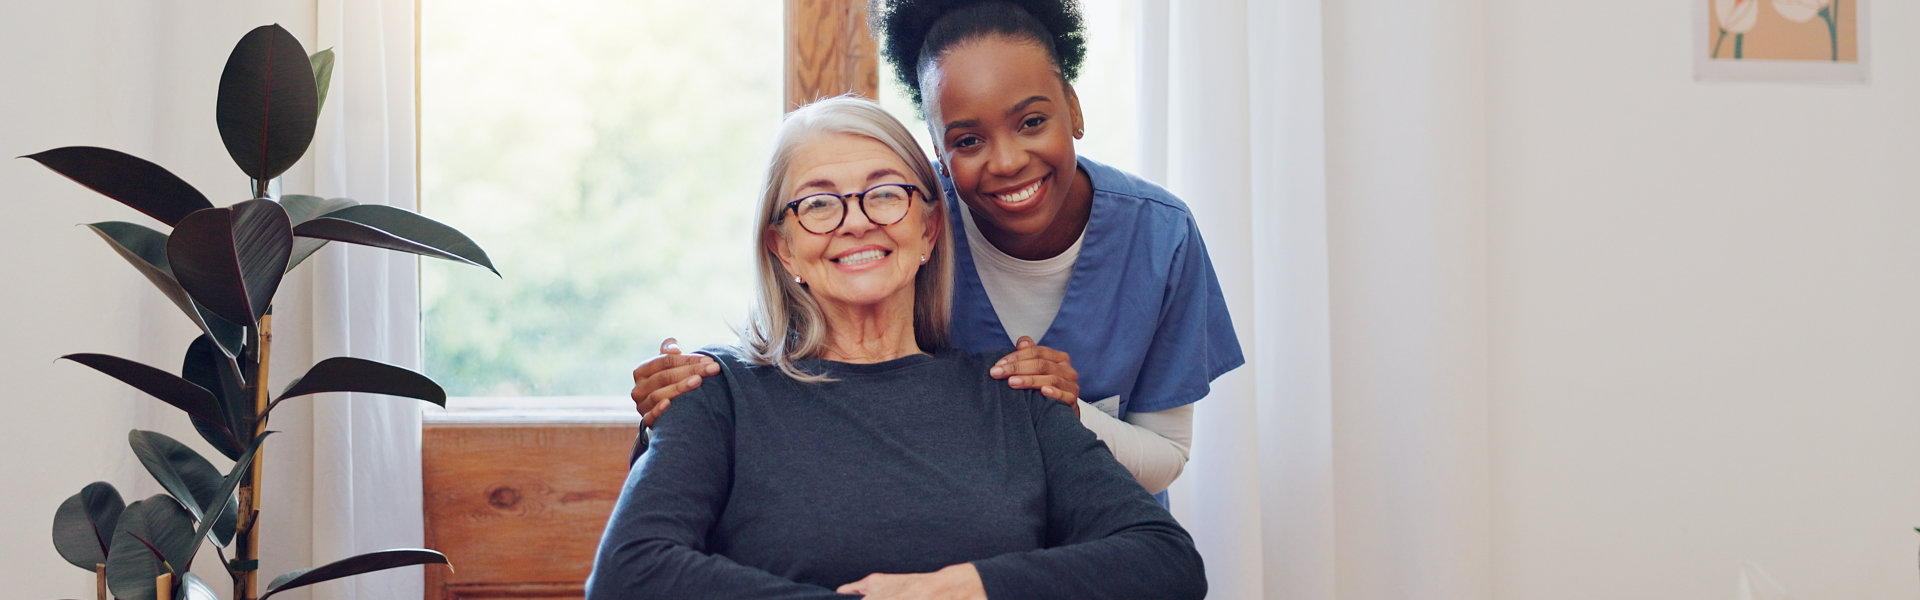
{"type": "Point", "coordinates": [606, 153]}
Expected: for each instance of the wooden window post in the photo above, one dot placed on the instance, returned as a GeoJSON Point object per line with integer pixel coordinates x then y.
{"type": "Point", "coordinates": [829, 51]}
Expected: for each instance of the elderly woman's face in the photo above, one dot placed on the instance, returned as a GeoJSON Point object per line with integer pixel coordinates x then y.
{"type": "Point", "coordinates": [860, 264]}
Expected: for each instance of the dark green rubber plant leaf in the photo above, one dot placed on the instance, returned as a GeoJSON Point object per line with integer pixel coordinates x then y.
{"type": "Point", "coordinates": [132, 180]}
{"type": "Point", "coordinates": [206, 367]}
{"type": "Point", "coordinates": [146, 250]}
{"type": "Point", "coordinates": [348, 567]}
{"type": "Point", "coordinates": [231, 260]}
{"type": "Point", "coordinates": [83, 526]}
{"type": "Point", "coordinates": [169, 388]}
{"type": "Point", "coordinates": [348, 374]}
{"type": "Point", "coordinates": [225, 495]}
{"type": "Point", "coordinates": [196, 589]}
{"type": "Point", "coordinates": [216, 436]}
{"type": "Point", "coordinates": [391, 228]}
{"type": "Point", "coordinates": [322, 62]}
{"type": "Point", "coordinates": [189, 478]}
{"type": "Point", "coordinates": [268, 106]}
{"type": "Point", "coordinates": [301, 209]}
{"type": "Point", "coordinates": [155, 536]}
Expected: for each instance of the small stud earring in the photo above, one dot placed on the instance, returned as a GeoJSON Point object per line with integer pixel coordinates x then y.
{"type": "Point", "coordinates": [923, 259]}
{"type": "Point", "coordinates": [1079, 131]}
{"type": "Point", "coordinates": [796, 279]}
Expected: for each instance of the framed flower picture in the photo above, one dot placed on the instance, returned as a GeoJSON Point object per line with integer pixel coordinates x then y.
{"type": "Point", "coordinates": [1808, 41]}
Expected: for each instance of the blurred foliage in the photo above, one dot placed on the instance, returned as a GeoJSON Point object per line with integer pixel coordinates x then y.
{"type": "Point", "coordinates": [608, 153]}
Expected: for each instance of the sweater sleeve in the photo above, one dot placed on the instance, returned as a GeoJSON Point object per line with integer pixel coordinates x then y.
{"type": "Point", "coordinates": [655, 542]}
{"type": "Point", "coordinates": [1106, 537]}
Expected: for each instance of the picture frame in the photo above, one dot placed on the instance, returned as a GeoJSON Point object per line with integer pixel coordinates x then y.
{"type": "Point", "coordinates": [1786, 41]}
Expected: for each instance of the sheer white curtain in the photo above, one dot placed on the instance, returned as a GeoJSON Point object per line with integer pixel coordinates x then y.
{"type": "Point", "coordinates": [1257, 495]}
{"type": "Point", "coordinates": [1333, 153]}
{"type": "Point", "coordinates": [366, 449]}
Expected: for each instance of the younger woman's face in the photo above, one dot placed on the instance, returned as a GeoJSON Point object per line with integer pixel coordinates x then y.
{"type": "Point", "coordinates": [1005, 122]}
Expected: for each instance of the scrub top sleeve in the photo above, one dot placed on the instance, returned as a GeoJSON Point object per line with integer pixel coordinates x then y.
{"type": "Point", "coordinates": [1194, 342]}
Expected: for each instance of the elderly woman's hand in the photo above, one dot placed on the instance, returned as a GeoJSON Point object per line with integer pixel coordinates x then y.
{"type": "Point", "coordinates": [660, 379]}
{"type": "Point", "coordinates": [957, 582]}
{"type": "Point", "coordinates": [1035, 367]}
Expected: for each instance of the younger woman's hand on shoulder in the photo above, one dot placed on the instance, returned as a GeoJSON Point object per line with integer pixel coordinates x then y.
{"type": "Point", "coordinates": [1035, 367]}
{"type": "Point", "coordinates": [956, 582]}
{"type": "Point", "coordinates": [662, 378]}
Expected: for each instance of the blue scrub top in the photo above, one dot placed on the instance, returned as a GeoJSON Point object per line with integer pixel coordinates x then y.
{"type": "Point", "coordinates": [1143, 317]}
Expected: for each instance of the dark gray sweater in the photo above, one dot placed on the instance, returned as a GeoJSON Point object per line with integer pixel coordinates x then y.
{"type": "Point", "coordinates": [759, 486]}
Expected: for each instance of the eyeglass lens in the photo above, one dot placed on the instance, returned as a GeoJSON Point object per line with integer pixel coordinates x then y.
{"type": "Point", "coordinates": [884, 204]}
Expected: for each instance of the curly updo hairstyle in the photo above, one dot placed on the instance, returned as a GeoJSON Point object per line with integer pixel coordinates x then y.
{"type": "Point", "coordinates": [915, 33]}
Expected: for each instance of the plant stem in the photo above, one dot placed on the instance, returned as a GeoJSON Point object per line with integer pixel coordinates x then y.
{"type": "Point", "coordinates": [1739, 41]}
{"type": "Point", "coordinates": [1833, 33]}
{"type": "Point", "coordinates": [100, 582]}
{"type": "Point", "coordinates": [246, 548]}
{"type": "Point", "coordinates": [1717, 42]}
{"type": "Point", "coordinates": [243, 544]}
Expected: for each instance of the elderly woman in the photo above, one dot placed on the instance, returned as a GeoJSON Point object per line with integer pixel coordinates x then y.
{"type": "Point", "coordinates": [846, 450]}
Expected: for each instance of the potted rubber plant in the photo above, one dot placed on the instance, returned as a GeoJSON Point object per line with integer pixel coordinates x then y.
{"type": "Point", "coordinates": [222, 266]}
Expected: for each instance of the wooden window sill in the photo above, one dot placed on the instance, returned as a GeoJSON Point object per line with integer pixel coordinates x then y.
{"type": "Point", "coordinates": [557, 410]}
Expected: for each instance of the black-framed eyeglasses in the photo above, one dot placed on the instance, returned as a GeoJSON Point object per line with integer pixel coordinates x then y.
{"type": "Point", "coordinates": [822, 213]}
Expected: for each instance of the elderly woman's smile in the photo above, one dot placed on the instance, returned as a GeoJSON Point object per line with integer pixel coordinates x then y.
{"type": "Point", "coordinates": [859, 257]}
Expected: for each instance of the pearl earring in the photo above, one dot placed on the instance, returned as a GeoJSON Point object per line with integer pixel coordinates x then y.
{"type": "Point", "coordinates": [923, 259]}
{"type": "Point", "coordinates": [796, 279]}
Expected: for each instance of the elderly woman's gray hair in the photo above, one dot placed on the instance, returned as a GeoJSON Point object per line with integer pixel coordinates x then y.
{"type": "Point", "coordinates": [784, 323]}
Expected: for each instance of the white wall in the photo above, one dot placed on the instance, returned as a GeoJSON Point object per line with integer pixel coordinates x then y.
{"type": "Point", "coordinates": [138, 77]}
{"type": "Point", "coordinates": [1705, 313]}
